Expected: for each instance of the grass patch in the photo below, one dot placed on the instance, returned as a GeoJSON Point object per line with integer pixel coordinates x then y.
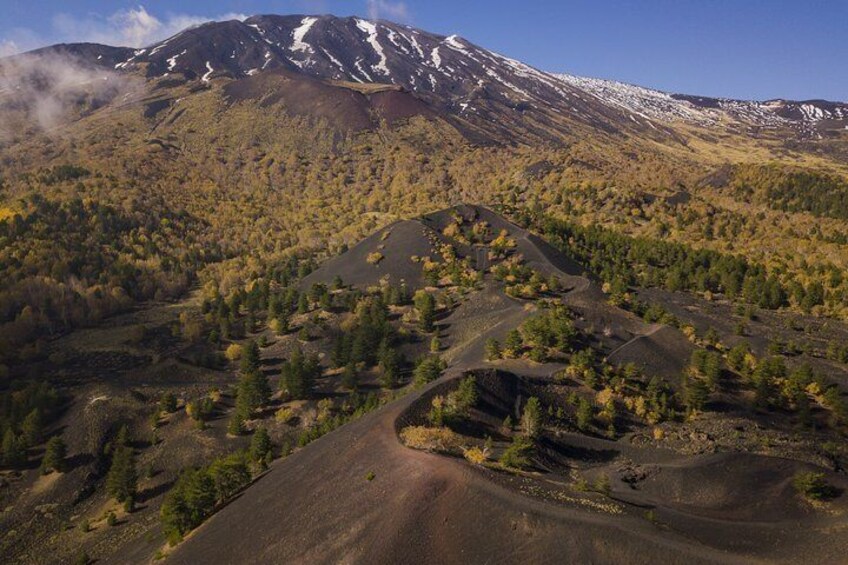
{"type": "Point", "coordinates": [430, 439]}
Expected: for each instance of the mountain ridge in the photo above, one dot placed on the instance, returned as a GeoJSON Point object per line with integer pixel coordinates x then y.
{"type": "Point", "coordinates": [476, 87]}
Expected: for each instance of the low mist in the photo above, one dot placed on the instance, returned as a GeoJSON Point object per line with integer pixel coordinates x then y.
{"type": "Point", "coordinates": [45, 90]}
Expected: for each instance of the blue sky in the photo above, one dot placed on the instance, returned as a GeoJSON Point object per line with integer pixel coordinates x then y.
{"type": "Point", "coordinates": [737, 48]}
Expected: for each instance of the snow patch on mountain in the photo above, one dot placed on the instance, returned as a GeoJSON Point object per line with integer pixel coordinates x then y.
{"type": "Point", "coordinates": [363, 72]}
{"type": "Point", "coordinates": [300, 32]}
{"type": "Point", "coordinates": [172, 61]}
{"type": "Point", "coordinates": [334, 60]}
{"type": "Point", "coordinates": [209, 71]}
{"type": "Point", "coordinates": [393, 38]}
{"type": "Point", "coordinates": [161, 45]}
{"type": "Point", "coordinates": [413, 42]}
{"type": "Point", "coordinates": [371, 29]}
{"type": "Point", "coordinates": [436, 58]}
{"type": "Point", "coordinates": [452, 41]}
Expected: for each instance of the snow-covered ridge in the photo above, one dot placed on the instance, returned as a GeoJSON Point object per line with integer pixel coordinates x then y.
{"type": "Point", "coordinates": [659, 105]}
{"type": "Point", "coordinates": [453, 73]}
{"type": "Point", "coordinates": [646, 102]}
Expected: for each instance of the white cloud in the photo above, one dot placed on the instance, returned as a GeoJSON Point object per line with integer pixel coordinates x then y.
{"type": "Point", "coordinates": [135, 27]}
{"type": "Point", "coordinates": [18, 40]}
{"type": "Point", "coordinates": [395, 11]}
{"type": "Point", "coordinates": [45, 87]}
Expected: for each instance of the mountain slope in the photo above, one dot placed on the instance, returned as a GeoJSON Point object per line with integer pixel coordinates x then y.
{"type": "Point", "coordinates": [209, 160]}
{"type": "Point", "coordinates": [359, 495]}
{"type": "Point", "coordinates": [810, 117]}
{"type": "Point", "coordinates": [460, 77]}
{"type": "Point", "coordinates": [490, 97]}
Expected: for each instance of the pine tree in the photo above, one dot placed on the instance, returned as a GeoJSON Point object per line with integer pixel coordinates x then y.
{"type": "Point", "coordinates": [465, 396]}
{"type": "Point", "coordinates": [359, 348]}
{"type": "Point", "coordinates": [340, 355]}
{"type": "Point", "coordinates": [513, 344]}
{"type": "Point", "coordinates": [493, 349]}
{"type": "Point", "coordinates": [802, 407]}
{"type": "Point", "coordinates": [235, 426]}
{"type": "Point", "coordinates": [32, 428]}
{"type": "Point", "coordinates": [517, 455]}
{"type": "Point", "coordinates": [274, 307]}
{"type": "Point", "coordinates": [299, 373]}
{"type": "Point", "coordinates": [122, 479]}
{"type": "Point", "coordinates": [168, 402]}
{"type": "Point", "coordinates": [435, 344]}
{"type": "Point", "coordinates": [350, 377]}
{"type": "Point", "coordinates": [389, 367]}
{"type": "Point", "coordinates": [302, 304]}
{"type": "Point", "coordinates": [54, 456]}
{"type": "Point", "coordinates": [122, 438]}
{"type": "Point", "coordinates": [190, 502]}
{"type": "Point", "coordinates": [531, 418]}
{"type": "Point", "coordinates": [260, 445]}
{"type": "Point", "coordinates": [425, 303]}
{"type": "Point", "coordinates": [259, 388]}
{"type": "Point", "coordinates": [697, 392]}
{"type": "Point", "coordinates": [585, 414]}
{"type": "Point", "coordinates": [326, 301]}
{"type": "Point", "coordinates": [14, 451]}
{"type": "Point", "coordinates": [229, 475]}
{"type": "Point", "coordinates": [280, 324]}
{"type": "Point", "coordinates": [250, 358]}
{"type": "Point", "coordinates": [837, 406]}
{"type": "Point", "coordinates": [253, 391]}
{"type": "Point", "coordinates": [428, 369]}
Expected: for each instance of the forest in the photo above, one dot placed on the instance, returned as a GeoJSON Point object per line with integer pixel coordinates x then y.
{"type": "Point", "coordinates": [792, 189]}
{"type": "Point", "coordinates": [623, 261]}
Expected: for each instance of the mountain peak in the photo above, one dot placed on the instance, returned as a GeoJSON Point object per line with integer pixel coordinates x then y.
{"type": "Point", "coordinates": [498, 97]}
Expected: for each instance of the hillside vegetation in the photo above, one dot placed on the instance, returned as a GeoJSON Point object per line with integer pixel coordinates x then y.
{"type": "Point", "coordinates": [626, 327]}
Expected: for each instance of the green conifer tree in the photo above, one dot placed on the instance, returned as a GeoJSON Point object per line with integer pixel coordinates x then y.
{"type": "Point", "coordinates": [32, 428]}
{"type": "Point", "coordinates": [14, 450]}
{"type": "Point", "coordinates": [531, 418]}
{"type": "Point", "coordinates": [54, 456]}
{"type": "Point", "coordinates": [122, 479]}
{"type": "Point", "coordinates": [260, 445]}
{"type": "Point", "coordinates": [250, 358]}
{"type": "Point", "coordinates": [425, 303]}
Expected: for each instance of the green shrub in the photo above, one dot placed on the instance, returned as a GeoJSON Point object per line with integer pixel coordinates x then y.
{"type": "Point", "coordinates": [517, 455]}
{"type": "Point", "coordinates": [813, 486]}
